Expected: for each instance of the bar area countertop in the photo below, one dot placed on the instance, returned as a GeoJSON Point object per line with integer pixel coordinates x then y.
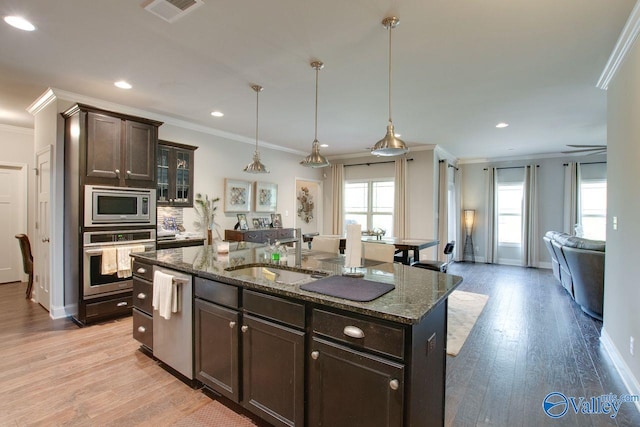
{"type": "Point", "coordinates": [417, 291]}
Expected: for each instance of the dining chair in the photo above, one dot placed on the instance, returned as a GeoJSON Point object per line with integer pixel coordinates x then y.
{"type": "Point", "coordinates": [27, 260]}
{"type": "Point", "coordinates": [379, 251]}
{"type": "Point", "coordinates": [434, 265]}
{"type": "Point", "coordinates": [326, 244]}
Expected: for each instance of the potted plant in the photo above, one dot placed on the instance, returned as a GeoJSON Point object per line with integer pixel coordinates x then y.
{"type": "Point", "coordinates": [206, 210]}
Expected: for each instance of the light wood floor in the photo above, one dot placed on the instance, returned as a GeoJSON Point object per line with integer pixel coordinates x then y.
{"type": "Point", "coordinates": [530, 340]}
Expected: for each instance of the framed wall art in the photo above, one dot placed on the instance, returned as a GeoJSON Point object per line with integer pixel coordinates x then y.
{"type": "Point", "coordinates": [237, 195]}
{"type": "Point", "coordinates": [266, 197]}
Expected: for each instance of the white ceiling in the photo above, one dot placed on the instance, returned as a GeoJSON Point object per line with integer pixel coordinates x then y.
{"type": "Point", "coordinates": [459, 68]}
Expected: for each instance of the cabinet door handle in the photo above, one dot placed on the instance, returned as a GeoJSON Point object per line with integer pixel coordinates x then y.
{"type": "Point", "coordinates": [122, 304]}
{"type": "Point", "coordinates": [353, 332]}
{"type": "Point", "coordinates": [394, 384]}
{"type": "Point", "coordinates": [117, 171]}
{"type": "Point", "coordinates": [244, 328]}
{"type": "Point", "coordinates": [141, 270]}
{"type": "Point", "coordinates": [232, 325]}
{"type": "Point", "coordinates": [128, 173]}
{"type": "Point", "coordinates": [142, 329]}
{"type": "Point", "coordinates": [142, 295]}
{"type": "Point", "coordinates": [315, 355]}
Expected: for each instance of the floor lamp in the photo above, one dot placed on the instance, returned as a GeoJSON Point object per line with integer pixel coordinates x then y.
{"type": "Point", "coordinates": [469, 219]}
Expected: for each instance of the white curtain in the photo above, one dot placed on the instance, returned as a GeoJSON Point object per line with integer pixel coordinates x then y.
{"type": "Point", "coordinates": [459, 246]}
{"type": "Point", "coordinates": [400, 202]}
{"type": "Point", "coordinates": [443, 207]}
{"type": "Point", "coordinates": [571, 197]}
{"type": "Point", "coordinates": [530, 237]}
{"type": "Point", "coordinates": [491, 245]}
{"type": "Point", "coordinates": [337, 177]}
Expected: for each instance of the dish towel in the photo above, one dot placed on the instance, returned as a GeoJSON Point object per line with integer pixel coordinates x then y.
{"type": "Point", "coordinates": [109, 263]}
{"type": "Point", "coordinates": [353, 246]}
{"type": "Point", "coordinates": [124, 261]}
{"type": "Point", "coordinates": [165, 295]}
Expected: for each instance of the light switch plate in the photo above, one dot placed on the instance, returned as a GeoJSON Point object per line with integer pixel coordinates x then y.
{"type": "Point", "coordinates": [615, 222]}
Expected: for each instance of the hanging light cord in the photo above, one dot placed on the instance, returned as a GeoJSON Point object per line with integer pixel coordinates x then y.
{"type": "Point", "coordinates": [316, 117]}
{"type": "Point", "coordinates": [390, 29]}
{"type": "Point", "coordinates": [257, 95]}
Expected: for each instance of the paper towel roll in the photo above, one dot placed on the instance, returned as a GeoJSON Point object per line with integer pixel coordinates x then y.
{"type": "Point", "coordinates": [353, 246]}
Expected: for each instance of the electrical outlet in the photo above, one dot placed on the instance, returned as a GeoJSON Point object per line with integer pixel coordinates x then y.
{"type": "Point", "coordinates": [631, 342]}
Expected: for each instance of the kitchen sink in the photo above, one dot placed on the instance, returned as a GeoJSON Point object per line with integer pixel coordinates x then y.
{"type": "Point", "coordinates": [276, 274]}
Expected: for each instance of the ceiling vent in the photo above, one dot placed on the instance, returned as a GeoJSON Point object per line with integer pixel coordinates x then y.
{"type": "Point", "coordinates": [172, 10]}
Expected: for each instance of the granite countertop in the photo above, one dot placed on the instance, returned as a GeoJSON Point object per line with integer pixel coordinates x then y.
{"type": "Point", "coordinates": [417, 291]}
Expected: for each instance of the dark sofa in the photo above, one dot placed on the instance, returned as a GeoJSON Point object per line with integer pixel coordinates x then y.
{"type": "Point", "coordinates": [578, 264]}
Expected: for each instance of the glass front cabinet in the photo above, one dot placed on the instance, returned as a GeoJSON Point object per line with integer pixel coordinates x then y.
{"type": "Point", "coordinates": [175, 174]}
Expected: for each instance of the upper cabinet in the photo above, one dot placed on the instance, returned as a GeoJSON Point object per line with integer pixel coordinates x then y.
{"type": "Point", "coordinates": [119, 150]}
{"type": "Point", "coordinates": [175, 174]}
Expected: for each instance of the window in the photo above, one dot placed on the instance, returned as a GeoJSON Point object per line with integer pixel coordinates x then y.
{"type": "Point", "coordinates": [510, 213]}
{"type": "Point", "coordinates": [593, 209]}
{"type": "Point", "coordinates": [370, 204]}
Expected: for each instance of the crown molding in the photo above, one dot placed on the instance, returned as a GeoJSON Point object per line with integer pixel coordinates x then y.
{"type": "Point", "coordinates": [52, 94]}
{"type": "Point", "coordinates": [476, 160]}
{"type": "Point", "coordinates": [625, 42]}
{"type": "Point", "coordinates": [16, 129]}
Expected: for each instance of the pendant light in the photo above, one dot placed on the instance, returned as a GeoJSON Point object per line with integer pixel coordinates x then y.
{"type": "Point", "coordinates": [315, 159]}
{"type": "Point", "coordinates": [390, 145]}
{"type": "Point", "coordinates": [255, 166]}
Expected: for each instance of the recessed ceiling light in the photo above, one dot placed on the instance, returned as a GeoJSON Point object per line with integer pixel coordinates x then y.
{"type": "Point", "coordinates": [19, 22]}
{"type": "Point", "coordinates": [123, 85]}
{"type": "Point", "coordinates": [502, 125]}
{"type": "Point", "coordinates": [324, 145]}
{"type": "Point", "coordinates": [217, 113]}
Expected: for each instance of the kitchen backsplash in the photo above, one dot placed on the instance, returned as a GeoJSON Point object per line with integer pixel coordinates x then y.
{"type": "Point", "coordinates": [170, 212]}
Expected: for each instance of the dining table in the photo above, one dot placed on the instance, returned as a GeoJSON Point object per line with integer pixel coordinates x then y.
{"type": "Point", "coordinates": [404, 247]}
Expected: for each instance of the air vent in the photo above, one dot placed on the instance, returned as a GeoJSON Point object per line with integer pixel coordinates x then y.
{"type": "Point", "coordinates": [172, 10]}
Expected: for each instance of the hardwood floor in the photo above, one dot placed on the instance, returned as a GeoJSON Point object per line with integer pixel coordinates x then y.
{"type": "Point", "coordinates": [530, 340]}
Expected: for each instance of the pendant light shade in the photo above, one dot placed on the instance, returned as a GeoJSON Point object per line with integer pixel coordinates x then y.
{"type": "Point", "coordinates": [315, 159]}
{"type": "Point", "coordinates": [256, 166]}
{"type": "Point", "coordinates": [390, 145]}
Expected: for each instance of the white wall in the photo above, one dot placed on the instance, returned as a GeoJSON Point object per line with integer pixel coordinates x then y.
{"type": "Point", "coordinates": [622, 269]}
{"type": "Point", "coordinates": [550, 196]}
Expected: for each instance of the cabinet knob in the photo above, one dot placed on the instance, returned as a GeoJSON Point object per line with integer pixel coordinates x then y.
{"type": "Point", "coordinates": [128, 173]}
{"type": "Point", "coordinates": [141, 270]}
{"type": "Point", "coordinates": [244, 328]}
{"type": "Point", "coordinates": [353, 332]}
{"type": "Point", "coordinates": [142, 329]}
{"type": "Point", "coordinates": [394, 384]}
{"type": "Point", "coordinates": [232, 325]}
{"type": "Point", "coordinates": [315, 355]}
{"type": "Point", "coordinates": [122, 304]}
{"type": "Point", "coordinates": [117, 171]}
{"type": "Point", "coordinates": [142, 295]}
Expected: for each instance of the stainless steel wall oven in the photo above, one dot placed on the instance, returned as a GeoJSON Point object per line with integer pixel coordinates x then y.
{"type": "Point", "coordinates": [95, 282]}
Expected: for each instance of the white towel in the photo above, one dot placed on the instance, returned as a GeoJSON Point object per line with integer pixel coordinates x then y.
{"type": "Point", "coordinates": [165, 294]}
{"type": "Point", "coordinates": [109, 264]}
{"type": "Point", "coordinates": [353, 246]}
{"type": "Point", "coordinates": [124, 261]}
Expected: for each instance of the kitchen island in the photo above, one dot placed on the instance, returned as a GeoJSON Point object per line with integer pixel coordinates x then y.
{"type": "Point", "coordinates": [296, 357]}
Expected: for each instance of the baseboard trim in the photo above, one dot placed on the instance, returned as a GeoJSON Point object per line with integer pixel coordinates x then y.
{"type": "Point", "coordinates": [546, 265]}
{"type": "Point", "coordinates": [630, 382]}
{"type": "Point", "coordinates": [58, 312]}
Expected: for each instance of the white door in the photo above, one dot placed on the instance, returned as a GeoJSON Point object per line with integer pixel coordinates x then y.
{"type": "Point", "coordinates": [11, 223]}
{"type": "Point", "coordinates": [41, 242]}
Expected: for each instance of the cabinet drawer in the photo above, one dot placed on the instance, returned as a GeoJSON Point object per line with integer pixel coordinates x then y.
{"type": "Point", "coordinates": [253, 236]}
{"type": "Point", "coordinates": [143, 295]}
{"type": "Point", "coordinates": [269, 235]}
{"type": "Point", "coordinates": [143, 270]}
{"type": "Point", "coordinates": [143, 328]}
{"type": "Point", "coordinates": [274, 308]}
{"type": "Point", "coordinates": [113, 307]}
{"type": "Point", "coordinates": [374, 335]}
{"type": "Point", "coordinates": [284, 233]}
{"type": "Point", "coordinates": [219, 293]}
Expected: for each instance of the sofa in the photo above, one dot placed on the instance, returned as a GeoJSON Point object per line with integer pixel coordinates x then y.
{"type": "Point", "coordinates": [578, 264]}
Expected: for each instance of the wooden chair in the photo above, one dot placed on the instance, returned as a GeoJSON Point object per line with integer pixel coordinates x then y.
{"type": "Point", "coordinates": [438, 265]}
{"type": "Point", "coordinates": [27, 260]}
{"type": "Point", "coordinates": [326, 244]}
{"type": "Point", "coordinates": [379, 251]}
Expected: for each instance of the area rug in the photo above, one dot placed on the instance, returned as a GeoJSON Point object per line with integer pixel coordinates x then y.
{"type": "Point", "coordinates": [215, 414]}
{"type": "Point", "coordinates": [464, 310]}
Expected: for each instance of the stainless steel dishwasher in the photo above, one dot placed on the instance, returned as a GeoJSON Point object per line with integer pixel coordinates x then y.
{"type": "Point", "coordinates": [172, 338]}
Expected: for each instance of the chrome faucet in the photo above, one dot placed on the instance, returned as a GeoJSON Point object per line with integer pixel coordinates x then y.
{"type": "Point", "coordinates": [297, 239]}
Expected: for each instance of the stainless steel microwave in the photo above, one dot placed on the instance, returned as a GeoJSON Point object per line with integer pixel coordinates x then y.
{"type": "Point", "coordinates": [115, 205]}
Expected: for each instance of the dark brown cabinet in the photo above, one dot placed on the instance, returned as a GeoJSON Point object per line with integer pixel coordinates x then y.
{"type": "Point", "coordinates": [175, 174]}
{"type": "Point", "coordinates": [142, 296]}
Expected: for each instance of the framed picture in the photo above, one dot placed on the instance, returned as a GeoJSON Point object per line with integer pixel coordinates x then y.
{"type": "Point", "coordinates": [242, 220]}
{"type": "Point", "coordinates": [266, 197]}
{"type": "Point", "coordinates": [276, 220]}
{"type": "Point", "coordinates": [256, 223]}
{"type": "Point", "coordinates": [237, 195]}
